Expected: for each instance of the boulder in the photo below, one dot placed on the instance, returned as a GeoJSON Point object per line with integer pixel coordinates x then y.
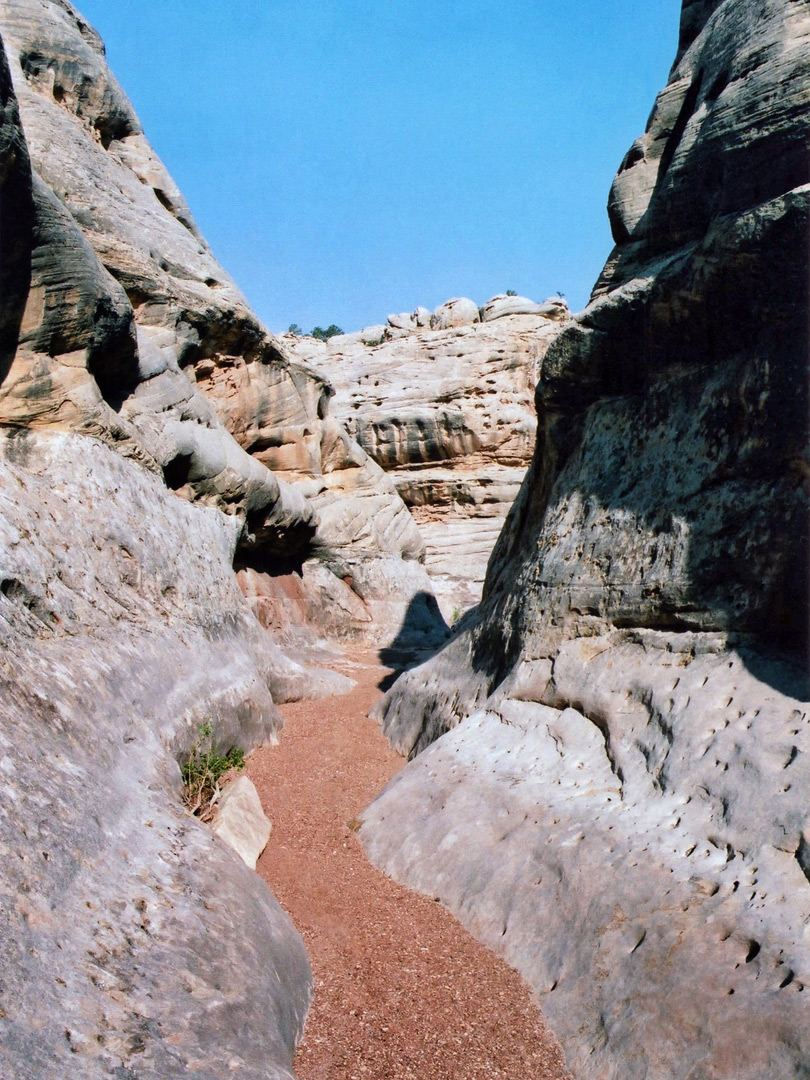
{"type": "Point", "coordinates": [502, 305]}
{"type": "Point", "coordinates": [241, 822]}
{"type": "Point", "coordinates": [404, 321]}
{"type": "Point", "coordinates": [373, 335]}
{"type": "Point", "coordinates": [457, 312]}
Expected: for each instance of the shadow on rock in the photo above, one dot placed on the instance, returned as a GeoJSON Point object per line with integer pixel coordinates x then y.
{"type": "Point", "coordinates": [788, 674]}
{"type": "Point", "coordinates": [422, 633]}
{"type": "Point", "coordinates": [17, 216]}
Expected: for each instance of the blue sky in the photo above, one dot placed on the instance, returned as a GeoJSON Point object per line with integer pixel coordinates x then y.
{"type": "Point", "coordinates": [349, 158]}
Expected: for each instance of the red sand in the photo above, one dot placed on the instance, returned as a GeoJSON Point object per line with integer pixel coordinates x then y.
{"type": "Point", "coordinates": [401, 989]}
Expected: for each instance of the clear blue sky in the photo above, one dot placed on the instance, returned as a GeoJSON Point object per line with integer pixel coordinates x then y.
{"type": "Point", "coordinates": [351, 158]}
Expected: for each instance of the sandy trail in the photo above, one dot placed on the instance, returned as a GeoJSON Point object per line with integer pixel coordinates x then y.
{"type": "Point", "coordinates": [401, 989]}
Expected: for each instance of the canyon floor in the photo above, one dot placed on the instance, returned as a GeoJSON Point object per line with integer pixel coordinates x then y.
{"type": "Point", "coordinates": [401, 989]}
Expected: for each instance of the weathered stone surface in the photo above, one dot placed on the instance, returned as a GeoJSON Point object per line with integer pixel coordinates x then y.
{"type": "Point", "coordinates": [240, 821]}
{"type": "Point", "coordinates": [616, 809]}
{"type": "Point", "coordinates": [460, 311]}
{"type": "Point", "coordinates": [369, 335]}
{"type": "Point", "coordinates": [449, 415]}
{"type": "Point", "coordinates": [641, 857]}
{"type": "Point", "coordinates": [122, 631]}
{"type": "Point", "coordinates": [128, 926]}
{"type": "Point", "coordinates": [504, 304]}
{"type": "Point", "coordinates": [132, 331]}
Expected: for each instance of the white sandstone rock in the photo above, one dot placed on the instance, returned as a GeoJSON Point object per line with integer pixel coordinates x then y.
{"type": "Point", "coordinates": [456, 312]}
{"type": "Point", "coordinates": [450, 415]}
{"type": "Point", "coordinates": [502, 305]}
{"type": "Point", "coordinates": [241, 822]}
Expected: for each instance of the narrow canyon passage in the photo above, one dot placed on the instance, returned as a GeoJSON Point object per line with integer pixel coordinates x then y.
{"type": "Point", "coordinates": [401, 989]}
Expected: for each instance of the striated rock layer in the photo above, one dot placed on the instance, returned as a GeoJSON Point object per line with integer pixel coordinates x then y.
{"type": "Point", "coordinates": [446, 409]}
{"type": "Point", "coordinates": [126, 327]}
{"type": "Point", "coordinates": [153, 439]}
{"type": "Point", "coordinates": [621, 804]}
{"type": "Point", "coordinates": [134, 941]}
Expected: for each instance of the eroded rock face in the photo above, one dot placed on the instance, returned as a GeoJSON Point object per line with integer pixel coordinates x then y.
{"type": "Point", "coordinates": [129, 329]}
{"type": "Point", "coordinates": [635, 681]}
{"type": "Point", "coordinates": [122, 631]}
{"type": "Point", "coordinates": [448, 413]}
{"type": "Point", "coordinates": [134, 941]}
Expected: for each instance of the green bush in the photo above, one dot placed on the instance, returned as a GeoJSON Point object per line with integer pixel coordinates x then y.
{"type": "Point", "coordinates": [324, 335]}
{"type": "Point", "coordinates": [203, 771]}
{"type": "Point", "coordinates": [511, 292]}
{"type": "Point", "coordinates": [294, 328]}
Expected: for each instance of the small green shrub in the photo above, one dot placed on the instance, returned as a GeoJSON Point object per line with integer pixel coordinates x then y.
{"type": "Point", "coordinates": [203, 771]}
{"type": "Point", "coordinates": [324, 335]}
{"type": "Point", "coordinates": [511, 292]}
{"type": "Point", "coordinates": [294, 328]}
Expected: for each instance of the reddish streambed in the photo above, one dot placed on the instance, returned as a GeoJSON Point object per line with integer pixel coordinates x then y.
{"type": "Point", "coordinates": [401, 989]}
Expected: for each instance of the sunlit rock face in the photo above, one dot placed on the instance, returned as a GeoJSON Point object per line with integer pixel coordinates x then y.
{"type": "Point", "coordinates": [143, 410]}
{"type": "Point", "coordinates": [126, 327]}
{"type": "Point", "coordinates": [448, 413]}
{"type": "Point", "coordinates": [128, 927]}
{"type": "Point", "coordinates": [123, 630]}
{"type": "Point", "coordinates": [631, 697]}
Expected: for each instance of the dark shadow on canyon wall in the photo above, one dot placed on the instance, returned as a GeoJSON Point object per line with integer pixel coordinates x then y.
{"type": "Point", "coordinates": [678, 400]}
{"type": "Point", "coordinates": [422, 633]}
{"type": "Point", "coordinates": [788, 672]}
{"type": "Point", "coordinates": [16, 222]}
{"type": "Point", "coordinates": [704, 378]}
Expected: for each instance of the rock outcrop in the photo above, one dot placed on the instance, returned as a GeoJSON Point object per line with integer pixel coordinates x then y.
{"type": "Point", "coordinates": [128, 927]}
{"type": "Point", "coordinates": [621, 804]}
{"type": "Point", "coordinates": [131, 331]}
{"type": "Point", "coordinates": [153, 439]}
{"type": "Point", "coordinates": [447, 410]}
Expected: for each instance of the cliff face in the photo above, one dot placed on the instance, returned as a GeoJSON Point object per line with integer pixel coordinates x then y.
{"type": "Point", "coordinates": [635, 678]}
{"type": "Point", "coordinates": [130, 330]}
{"type": "Point", "coordinates": [443, 402]}
{"type": "Point", "coordinates": [134, 380]}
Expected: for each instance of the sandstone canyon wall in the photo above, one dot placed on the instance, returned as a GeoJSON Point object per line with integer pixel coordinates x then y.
{"type": "Point", "coordinates": [443, 401]}
{"type": "Point", "coordinates": [132, 332]}
{"type": "Point", "coordinates": [154, 439]}
{"type": "Point", "coordinates": [615, 749]}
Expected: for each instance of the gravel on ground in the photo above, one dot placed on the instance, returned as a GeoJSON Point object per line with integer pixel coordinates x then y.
{"type": "Point", "coordinates": [401, 989]}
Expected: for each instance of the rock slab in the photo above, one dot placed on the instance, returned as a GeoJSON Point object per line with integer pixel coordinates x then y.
{"type": "Point", "coordinates": [240, 821]}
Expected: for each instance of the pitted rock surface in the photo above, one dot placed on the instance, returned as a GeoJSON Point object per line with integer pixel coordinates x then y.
{"type": "Point", "coordinates": [630, 698]}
